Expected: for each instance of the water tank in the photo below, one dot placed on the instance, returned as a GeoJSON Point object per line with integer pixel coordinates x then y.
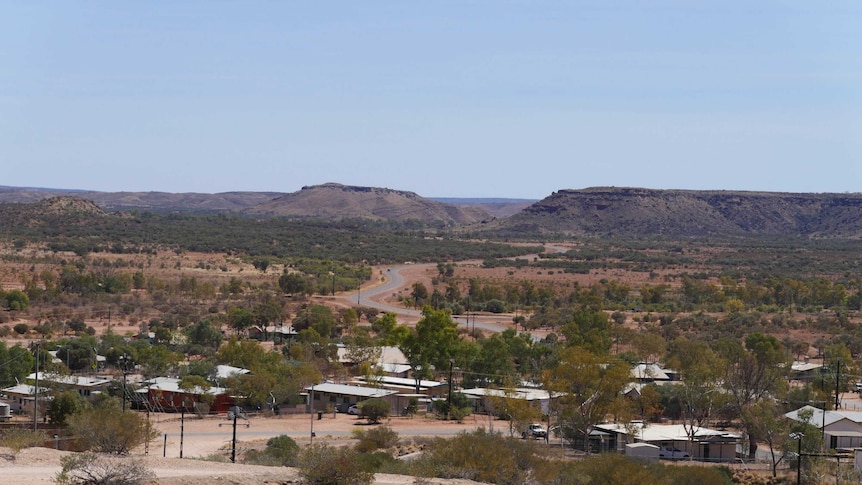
{"type": "Point", "coordinates": [5, 412]}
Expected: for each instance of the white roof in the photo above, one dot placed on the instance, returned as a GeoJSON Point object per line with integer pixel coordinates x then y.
{"type": "Point", "coordinates": [403, 381]}
{"type": "Point", "coordinates": [666, 432]}
{"type": "Point", "coordinates": [804, 366]}
{"type": "Point", "coordinates": [225, 371]}
{"type": "Point", "coordinates": [650, 371]}
{"type": "Point", "coordinates": [819, 420]}
{"type": "Point", "coordinates": [525, 394]}
{"type": "Point", "coordinates": [170, 384]}
{"type": "Point", "coordinates": [388, 355]}
{"type": "Point", "coordinates": [23, 390]}
{"type": "Point", "coordinates": [394, 368]}
{"type": "Point", "coordinates": [348, 390]}
{"type": "Point", "coordinates": [79, 381]}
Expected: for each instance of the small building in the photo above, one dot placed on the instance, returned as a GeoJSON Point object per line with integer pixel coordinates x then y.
{"type": "Point", "coordinates": [805, 371]}
{"type": "Point", "coordinates": [841, 429]}
{"type": "Point", "coordinates": [20, 398]}
{"type": "Point", "coordinates": [340, 396]}
{"type": "Point", "coordinates": [482, 397]}
{"type": "Point", "coordinates": [164, 394]}
{"type": "Point", "coordinates": [426, 388]}
{"type": "Point", "coordinates": [642, 451]}
{"type": "Point", "coordinates": [88, 387]}
{"type": "Point", "coordinates": [702, 444]}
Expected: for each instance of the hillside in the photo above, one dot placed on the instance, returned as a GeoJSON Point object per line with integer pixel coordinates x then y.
{"type": "Point", "coordinates": [683, 213]}
{"type": "Point", "coordinates": [336, 201]}
{"type": "Point", "coordinates": [147, 201]}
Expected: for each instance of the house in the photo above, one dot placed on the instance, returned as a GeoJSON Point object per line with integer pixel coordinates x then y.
{"type": "Point", "coordinates": [805, 371]}
{"type": "Point", "coordinates": [388, 355]}
{"type": "Point", "coordinates": [702, 444]}
{"type": "Point", "coordinates": [20, 398]}
{"type": "Point", "coordinates": [426, 388]}
{"type": "Point", "coordinates": [841, 429]}
{"type": "Point", "coordinates": [88, 387]}
{"type": "Point", "coordinates": [341, 396]}
{"type": "Point", "coordinates": [164, 394]}
{"type": "Point", "coordinates": [481, 397]}
{"type": "Point", "coordinates": [278, 333]}
{"type": "Point", "coordinates": [644, 373]}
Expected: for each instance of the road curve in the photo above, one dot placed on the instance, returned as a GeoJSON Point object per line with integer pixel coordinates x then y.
{"type": "Point", "coordinates": [395, 281]}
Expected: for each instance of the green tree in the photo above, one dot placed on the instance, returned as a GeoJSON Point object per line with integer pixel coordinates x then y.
{"type": "Point", "coordinates": [589, 329]}
{"type": "Point", "coordinates": [16, 300]}
{"type": "Point", "coordinates": [240, 319]}
{"type": "Point", "coordinates": [204, 334]}
{"type": "Point", "coordinates": [431, 343]}
{"type": "Point", "coordinates": [753, 373]}
{"type": "Point", "coordinates": [766, 423]}
{"type": "Point", "coordinates": [589, 387]}
{"type": "Point", "coordinates": [700, 370]}
{"type": "Point", "coordinates": [64, 405]}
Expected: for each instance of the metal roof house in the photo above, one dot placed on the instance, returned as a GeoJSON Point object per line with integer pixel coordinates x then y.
{"type": "Point", "coordinates": [841, 429]}
{"type": "Point", "coordinates": [343, 395]}
{"type": "Point", "coordinates": [702, 444]}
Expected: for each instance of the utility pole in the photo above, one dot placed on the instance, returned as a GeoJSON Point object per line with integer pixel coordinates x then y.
{"type": "Point", "coordinates": [36, 394]}
{"type": "Point", "coordinates": [837, 380]}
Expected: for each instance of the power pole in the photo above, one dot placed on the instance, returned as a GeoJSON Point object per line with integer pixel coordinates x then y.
{"type": "Point", "coordinates": [36, 394]}
{"type": "Point", "coordinates": [837, 380]}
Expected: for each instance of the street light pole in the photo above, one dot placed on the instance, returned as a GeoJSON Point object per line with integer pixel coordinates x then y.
{"type": "Point", "coordinates": [798, 437]}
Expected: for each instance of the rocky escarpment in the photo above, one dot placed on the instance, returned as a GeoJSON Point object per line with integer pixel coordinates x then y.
{"type": "Point", "coordinates": [634, 211]}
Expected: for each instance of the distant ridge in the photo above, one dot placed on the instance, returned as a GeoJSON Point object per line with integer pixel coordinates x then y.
{"type": "Point", "coordinates": [337, 201]}
{"type": "Point", "coordinates": [606, 211]}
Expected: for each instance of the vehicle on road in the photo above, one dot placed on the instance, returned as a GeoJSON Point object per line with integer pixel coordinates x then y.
{"type": "Point", "coordinates": [671, 453]}
{"type": "Point", "coordinates": [535, 431]}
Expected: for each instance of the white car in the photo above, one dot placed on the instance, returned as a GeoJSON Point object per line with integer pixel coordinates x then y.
{"type": "Point", "coordinates": [671, 453]}
{"type": "Point", "coordinates": [535, 430]}
{"type": "Point", "coordinates": [354, 409]}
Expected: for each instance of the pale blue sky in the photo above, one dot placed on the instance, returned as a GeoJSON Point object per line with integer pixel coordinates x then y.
{"type": "Point", "coordinates": [443, 98]}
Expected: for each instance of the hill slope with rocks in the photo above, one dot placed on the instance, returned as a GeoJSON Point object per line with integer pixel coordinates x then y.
{"type": "Point", "coordinates": [680, 213]}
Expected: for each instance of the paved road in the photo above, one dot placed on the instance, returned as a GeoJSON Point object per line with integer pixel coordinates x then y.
{"type": "Point", "coordinates": [395, 281]}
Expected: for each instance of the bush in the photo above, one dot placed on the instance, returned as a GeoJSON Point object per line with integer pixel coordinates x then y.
{"type": "Point", "coordinates": [379, 438]}
{"type": "Point", "coordinates": [280, 451]}
{"type": "Point", "coordinates": [328, 465]}
{"type": "Point", "coordinates": [17, 439]}
{"type": "Point", "coordinates": [374, 409]}
{"type": "Point", "coordinates": [106, 428]}
{"type": "Point", "coordinates": [91, 469]}
{"type": "Point", "coordinates": [480, 456]}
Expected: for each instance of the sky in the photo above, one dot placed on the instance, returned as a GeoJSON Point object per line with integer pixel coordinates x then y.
{"type": "Point", "coordinates": [466, 98]}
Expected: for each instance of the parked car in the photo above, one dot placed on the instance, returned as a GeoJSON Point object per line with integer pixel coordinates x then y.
{"type": "Point", "coordinates": [671, 453]}
{"type": "Point", "coordinates": [354, 410]}
{"type": "Point", "coordinates": [535, 431]}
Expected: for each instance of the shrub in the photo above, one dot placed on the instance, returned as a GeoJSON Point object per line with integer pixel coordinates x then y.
{"type": "Point", "coordinates": [328, 465]}
{"type": "Point", "coordinates": [91, 469]}
{"type": "Point", "coordinates": [379, 438]}
{"type": "Point", "coordinates": [106, 428]}
{"type": "Point", "coordinates": [374, 409]}
{"type": "Point", "coordinates": [280, 451]}
{"type": "Point", "coordinates": [17, 439]}
{"type": "Point", "coordinates": [480, 456]}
